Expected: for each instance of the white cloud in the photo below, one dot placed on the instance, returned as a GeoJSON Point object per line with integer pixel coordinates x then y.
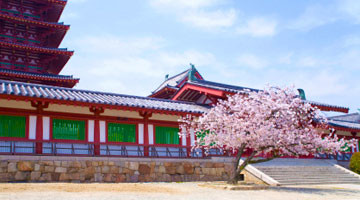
{"type": "Point", "coordinates": [110, 63]}
{"type": "Point", "coordinates": [351, 8]}
{"type": "Point", "coordinates": [319, 15]}
{"type": "Point", "coordinates": [322, 83]}
{"type": "Point", "coordinates": [200, 13]}
{"type": "Point", "coordinates": [352, 40]}
{"type": "Point", "coordinates": [308, 61]}
{"type": "Point", "coordinates": [258, 27]}
{"type": "Point", "coordinates": [315, 16]}
{"type": "Point", "coordinates": [349, 59]}
{"type": "Point", "coordinates": [286, 59]}
{"type": "Point", "coordinates": [251, 61]}
{"type": "Point", "coordinates": [78, 1]}
{"type": "Point", "coordinates": [210, 19]}
{"type": "Point", "coordinates": [110, 44]}
{"type": "Point", "coordinates": [182, 4]}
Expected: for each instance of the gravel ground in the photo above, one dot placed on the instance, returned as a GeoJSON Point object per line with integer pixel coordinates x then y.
{"type": "Point", "coordinates": [165, 191]}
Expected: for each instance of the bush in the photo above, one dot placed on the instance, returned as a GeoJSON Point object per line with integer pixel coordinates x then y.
{"type": "Point", "coordinates": [355, 162]}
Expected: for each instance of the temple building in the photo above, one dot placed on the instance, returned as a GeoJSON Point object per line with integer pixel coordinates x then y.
{"type": "Point", "coordinates": [41, 113]}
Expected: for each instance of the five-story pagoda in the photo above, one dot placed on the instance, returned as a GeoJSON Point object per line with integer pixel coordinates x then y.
{"type": "Point", "coordinates": [30, 35]}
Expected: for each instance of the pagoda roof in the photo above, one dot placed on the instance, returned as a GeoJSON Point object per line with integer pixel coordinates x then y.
{"type": "Point", "coordinates": [60, 51]}
{"type": "Point", "coordinates": [56, 7]}
{"type": "Point", "coordinates": [28, 91]}
{"type": "Point", "coordinates": [350, 122]}
{"type": "Point", "coordinates": [35, 22]}
{"type": "Point", "coordinates": [61, 2]}
{"type": "Point", "coordinates": [69, 80]}
{"type": "Point", "coordinates": [54, 67]}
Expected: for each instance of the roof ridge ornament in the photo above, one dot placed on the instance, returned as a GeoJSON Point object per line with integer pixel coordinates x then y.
{"type": "Point", "coordinates": [301, 94]}
{"type": "Point", "coordinates": [191, 75]}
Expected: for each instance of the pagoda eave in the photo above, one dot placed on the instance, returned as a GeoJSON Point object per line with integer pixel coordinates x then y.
{"type": "Point", "coordinates": [36, 49]}
{"type": "Point", "coordinates": [69, 83]}
{"type": "Point", "coordinates": [34, 22]}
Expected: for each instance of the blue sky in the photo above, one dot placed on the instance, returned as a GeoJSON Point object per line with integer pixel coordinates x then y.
{"type": "Point", "coordinates": [128, 46]}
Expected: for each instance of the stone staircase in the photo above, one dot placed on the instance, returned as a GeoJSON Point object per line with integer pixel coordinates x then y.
{"type": "Point", "coordinates": [288, 171]}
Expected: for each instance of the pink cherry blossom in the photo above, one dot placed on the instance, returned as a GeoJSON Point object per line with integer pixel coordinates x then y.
{"type": "Point", "coordinates": [273, 121]}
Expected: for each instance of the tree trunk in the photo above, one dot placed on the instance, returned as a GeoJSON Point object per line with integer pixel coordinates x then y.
{"type": "Point", "coordinates": [236, 175]}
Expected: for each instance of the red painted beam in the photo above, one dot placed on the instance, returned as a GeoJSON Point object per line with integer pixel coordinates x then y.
{"type": "Point", "coordinates": [188, 86]}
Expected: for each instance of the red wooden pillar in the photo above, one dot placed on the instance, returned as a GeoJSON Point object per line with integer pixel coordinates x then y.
{"type": "Point", "coordinates": [146, 116]}
{"type": "Point", "coordinates": [39, 105]}
{"type": "Point", "coordinates": [39, 134]}
{"type": "Point", "coordinates": [97, 111]}
{"type": "Point", "coordinates": [96, 137]}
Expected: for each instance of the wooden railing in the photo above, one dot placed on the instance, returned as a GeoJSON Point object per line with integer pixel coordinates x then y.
{"type": "Point", "coordinates": [48, 148]}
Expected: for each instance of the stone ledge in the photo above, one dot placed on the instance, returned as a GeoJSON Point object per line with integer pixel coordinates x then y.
{"type": "Point", "coordinates": [129, 159]}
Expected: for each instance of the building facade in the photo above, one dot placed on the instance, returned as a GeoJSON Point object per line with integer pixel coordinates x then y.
{"type": "Point", "coordinates": [41, 113]}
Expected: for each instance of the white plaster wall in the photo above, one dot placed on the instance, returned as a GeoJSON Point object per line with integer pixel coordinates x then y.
{"type": "Point", "coordinates": [102, 131]}
{"type": "Point", "coordinates": [32, 127]}
{"type": "Point", "coordinates": [183, 138]}
{"type": "Point", "coordinates": [46, 128]}
{"type": "Point", "coordinates": [192, 137]}
{"type": "Point", "coordinates": [91, 127]}
{"type": "Point", "coordinates": [151, 133]}
{"type": "Point", "coordinates": [141, 133]}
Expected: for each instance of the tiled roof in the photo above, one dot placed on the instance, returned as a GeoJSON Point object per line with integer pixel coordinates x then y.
{"type": "Point", "coordinates": [173, 81]}
{"type": "Point", "coordinates": [234, 89]}
{"type": "Point", "coordinates": [45, 76]}
{"type": "Point", "coordinates": [351, 121]}
{"type": "Point", "coordinates": [67, 94]}
{"type": "Point", "coordinates": [353, 117]}
{"type": "Point", "coordinates": [326, 105]}
{"type": "Point", "coordinates": [221, 86]}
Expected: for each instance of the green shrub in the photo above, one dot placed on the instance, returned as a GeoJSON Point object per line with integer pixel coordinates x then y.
{"type": "Point", "coordinates": [355, 162]}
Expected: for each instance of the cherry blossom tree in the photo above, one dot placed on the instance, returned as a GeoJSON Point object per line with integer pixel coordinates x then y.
{"type": "Point", "coordinates": [273, 122]}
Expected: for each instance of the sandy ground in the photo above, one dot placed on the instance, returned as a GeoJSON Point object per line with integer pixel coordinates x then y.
{"type": "Point", "coordinates": [165, 191]}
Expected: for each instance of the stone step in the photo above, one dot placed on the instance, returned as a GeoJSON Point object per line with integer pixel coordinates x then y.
{"type": "Point", "coordinates": [318, 183]}
{"type": "Point", "coordinates": [315, 176]}
{"type": "Point", "coordinates": [307, 178]}
{"type": "Point", "coordinates": [299, 169]}
{"type": "Point", "coordinates": [304, 173]}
